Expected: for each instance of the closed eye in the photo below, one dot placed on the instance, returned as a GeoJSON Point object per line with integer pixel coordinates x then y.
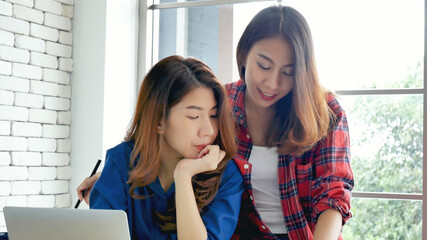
{"type": "Point", "coordinates": [193, 117]}
{"type": "Point", "coordinates": [263, 67]}
{"type": "Point", "coordinates": [288, 73]}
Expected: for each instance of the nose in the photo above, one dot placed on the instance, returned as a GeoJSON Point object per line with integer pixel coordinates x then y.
{"type": "Point", "coordinates": [273, 81]}
{"type": "Point", "coordinates": [207, 128]}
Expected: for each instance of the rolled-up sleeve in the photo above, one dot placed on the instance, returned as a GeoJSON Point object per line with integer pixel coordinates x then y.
{"type": "Point", "coordinates": [334, 180]}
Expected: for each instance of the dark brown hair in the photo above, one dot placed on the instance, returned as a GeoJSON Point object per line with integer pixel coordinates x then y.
{"type": "Point", "coordinates": [302, 117]}
{"type": "Point", "coordinates": [163, 87]}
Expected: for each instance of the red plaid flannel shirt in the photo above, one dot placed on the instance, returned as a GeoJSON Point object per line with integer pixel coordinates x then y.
{"type": "Point", "coordinates": [318, 180]}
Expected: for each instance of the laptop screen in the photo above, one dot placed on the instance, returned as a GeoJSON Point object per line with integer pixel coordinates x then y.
{"type": "Point", "coordinates": [25, 223]}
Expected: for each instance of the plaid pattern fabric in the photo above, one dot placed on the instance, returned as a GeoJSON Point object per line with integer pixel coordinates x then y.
{"type": "Point", "coordinates": [309, 184]}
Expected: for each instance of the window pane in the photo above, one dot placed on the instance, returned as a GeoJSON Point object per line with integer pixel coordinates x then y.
{"type": "Point", "coordinates": [366, 44]}
{"type": "Point", "coordinates": [386, 142]}
{"type": "Point", "coordinates": [384, 219]}
{"type": "Point", "coordinates": [209, 33]}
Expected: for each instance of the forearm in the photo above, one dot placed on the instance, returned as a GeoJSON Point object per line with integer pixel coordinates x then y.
{"type": "Point", "coordinates": [328, 225]}
{"type": "Point", "coordinates": [189, 222]}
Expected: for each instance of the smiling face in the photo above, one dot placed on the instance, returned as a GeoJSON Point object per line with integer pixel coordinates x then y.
{"type": "Point", "coordinates": [191, 125]}
{"type": "Point", "coordinates": [269, 70]}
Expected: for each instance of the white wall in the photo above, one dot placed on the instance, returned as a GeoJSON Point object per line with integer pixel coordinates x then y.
{"type": "Point", "coordinates": [35, 92]}
{"type": "Point", "coordinates": [87, 103]}
{"type": "Point", "coordinates": [104, 81]}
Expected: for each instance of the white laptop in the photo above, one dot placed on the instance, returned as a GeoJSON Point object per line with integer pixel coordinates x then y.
{"type": "Point", "coordinates": [24, 223]}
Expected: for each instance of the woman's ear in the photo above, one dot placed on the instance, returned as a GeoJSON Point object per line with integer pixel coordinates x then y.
{"type": "Point", "coordinates": [160, 128]}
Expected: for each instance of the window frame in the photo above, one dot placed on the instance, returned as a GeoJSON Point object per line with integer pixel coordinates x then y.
{"type": "Point", "coordinates": [146, 60]}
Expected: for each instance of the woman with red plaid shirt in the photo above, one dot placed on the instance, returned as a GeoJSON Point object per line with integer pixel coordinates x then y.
{"type": "Point", "coordinates": [293, 140]}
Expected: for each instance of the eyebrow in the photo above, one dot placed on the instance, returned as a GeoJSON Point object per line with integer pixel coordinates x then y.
{"type": "Point", "coordinates": [271, 61]}
{"type": "Point", "coordinates": [198, 108]}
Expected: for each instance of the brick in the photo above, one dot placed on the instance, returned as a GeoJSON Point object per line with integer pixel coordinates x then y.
{"type": "Point", "coordinates": [28, 14]}
{"type": "Point", "coordinates": [44, 32]}
{"type": "Point", "coordinates": [62, 201]}
{"type": "Point", "coordinates": [64, 118]}
{"type": "Point", "coordinates": [56, 159]}
{"type": "Point", "coordinates": [41, 201]}
{"type": "Point", "coordinates": [5, 9]}
{"type": "Point", "coordinates": [64, 146]}
{"type": "Point", "coordinates": [28, 3]}
{"type": "Point", "coordinates": [41, 173]}
{"type": "Point", "coordinates": [49, 6]}
{"type": "Point", "coordinates": [27, 71]}
{"type": "Point", "coordinates": [54, 187]}
{"type": "Point", "coordinates": [44, 60]}
{"type": "Point", "coordinates": [5, 188]}
{"type": "Point", "coordinates": [14, 25]}
{"type": "Point", "coordinates": [65, 37]}
{"type": "Point", "coordinates": [4, 158]}
{"type": "Point", "coordinates": [13, 113]}
{"type": "Point", "coordinates": [26, 158]}
{"type": "Point", "coordinates": [26, 187]}
{"type": "Point", "coordinates": [15, 201]}
{"type": "Point", "coordinates": [42, 116]}
{"type": "Point", "coordinates": [68, 2]}
{"type": "Point", "coordinates": [67, 11]}
{"type": "Point", "coordinates": [4, 130]}
{"type": "Point", "coordinates": [30, 43]}
{"type": "Point", "coordinates": [14, 54]}
{"type": "Point", "coordinates": [6, 97]}
{"type": "Point", "coordinates": [12, 173]}
{"type": "Point", "coordinates": [59, 22]}
{"type": "Point", "coordinates": [59, 50]}
{"type": "Point", "coordinates": [66, 64]}
{"type": "Point", "coordinates": [64, 91]}
{"type": "Point", "coordinates": [64, 173]}
{"type": "Point", "coordinates": [56, 131]}
{"type": "Point", "coordinates": [56, 76]}
{"type": "Point", "coordinates": [7, 38]}
{"type": "Point", "coordinates": [41, 145]}
{"type": "Point", "coordinates": [25, 129]}
{"type": "Point", "coordinates": [5, 67]}
{"type": "Point", "coordinates": [44, 88]}
{"type": "Point", "coordinates": [14, 84]}
{"type": "Point", "coordinates": [29, 100]}
{"type": "Point", "coordinates": [13, 143]}
{"type": "Point", "coordinates": [54, 103]}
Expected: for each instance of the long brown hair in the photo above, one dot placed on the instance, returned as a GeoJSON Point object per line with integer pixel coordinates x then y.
{"type": "Point", "coordinates": [302, 117]}
{"type": "Point", "coordinates": [163, 87]}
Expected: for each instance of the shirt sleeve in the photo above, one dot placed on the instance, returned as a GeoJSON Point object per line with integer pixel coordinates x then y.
{"type": "Point", "coordinates": [333, 175]}
{"type": "Point", "coordinates": [221, 215]}
{"type": "Point", "coordinates": [110, 192]}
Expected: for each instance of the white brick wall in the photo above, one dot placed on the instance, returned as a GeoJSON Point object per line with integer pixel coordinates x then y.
{"type": "Point", "coordinates": [35, 101]}
{"type": "Point", "coordinates": [5, 8]}
{"type": "Point", "coordinates": [4, 158]}
{"type": "Point", "coordinates": [26, 158]}
{"type": "Point", "coordinates": [6, 38]}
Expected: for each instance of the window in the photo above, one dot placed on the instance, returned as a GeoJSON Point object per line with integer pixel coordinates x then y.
{"type": "Point", "coordinates": [371, 53]}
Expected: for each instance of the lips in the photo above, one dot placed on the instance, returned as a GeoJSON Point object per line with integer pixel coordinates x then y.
{"type": "Point", "coordinates": [201, 147]}
{"type": "Point", "coordinates": [266, 96]}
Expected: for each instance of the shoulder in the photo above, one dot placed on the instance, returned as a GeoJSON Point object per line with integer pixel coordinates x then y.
{"type": "Point", "coordinates": [120, 154]}
{"type": "Point", "coordinates": [231, 171]}
{"type": "Point", "coordinates": [234, 87]}
{"type": "Point", "coordinates": [334, 105]}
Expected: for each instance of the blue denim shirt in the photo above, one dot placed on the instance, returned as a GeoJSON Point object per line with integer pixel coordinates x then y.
{"type": "Point", "coordinates": [111, 191]}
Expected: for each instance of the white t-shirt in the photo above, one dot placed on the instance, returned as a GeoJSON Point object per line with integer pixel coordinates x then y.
{"type": "Point", "coordinates": [265, 187]}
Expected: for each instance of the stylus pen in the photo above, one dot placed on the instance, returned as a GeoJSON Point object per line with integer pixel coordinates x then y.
{"type": "Point", "coordinates": [84, 191]}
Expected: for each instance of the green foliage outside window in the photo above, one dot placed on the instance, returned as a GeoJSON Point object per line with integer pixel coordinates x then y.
{"type": "Point", "coordinates": [387, 156]}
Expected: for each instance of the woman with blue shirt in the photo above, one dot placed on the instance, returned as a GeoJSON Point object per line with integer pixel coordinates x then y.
{"type": "Point", "coordinates": [172, 175]}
